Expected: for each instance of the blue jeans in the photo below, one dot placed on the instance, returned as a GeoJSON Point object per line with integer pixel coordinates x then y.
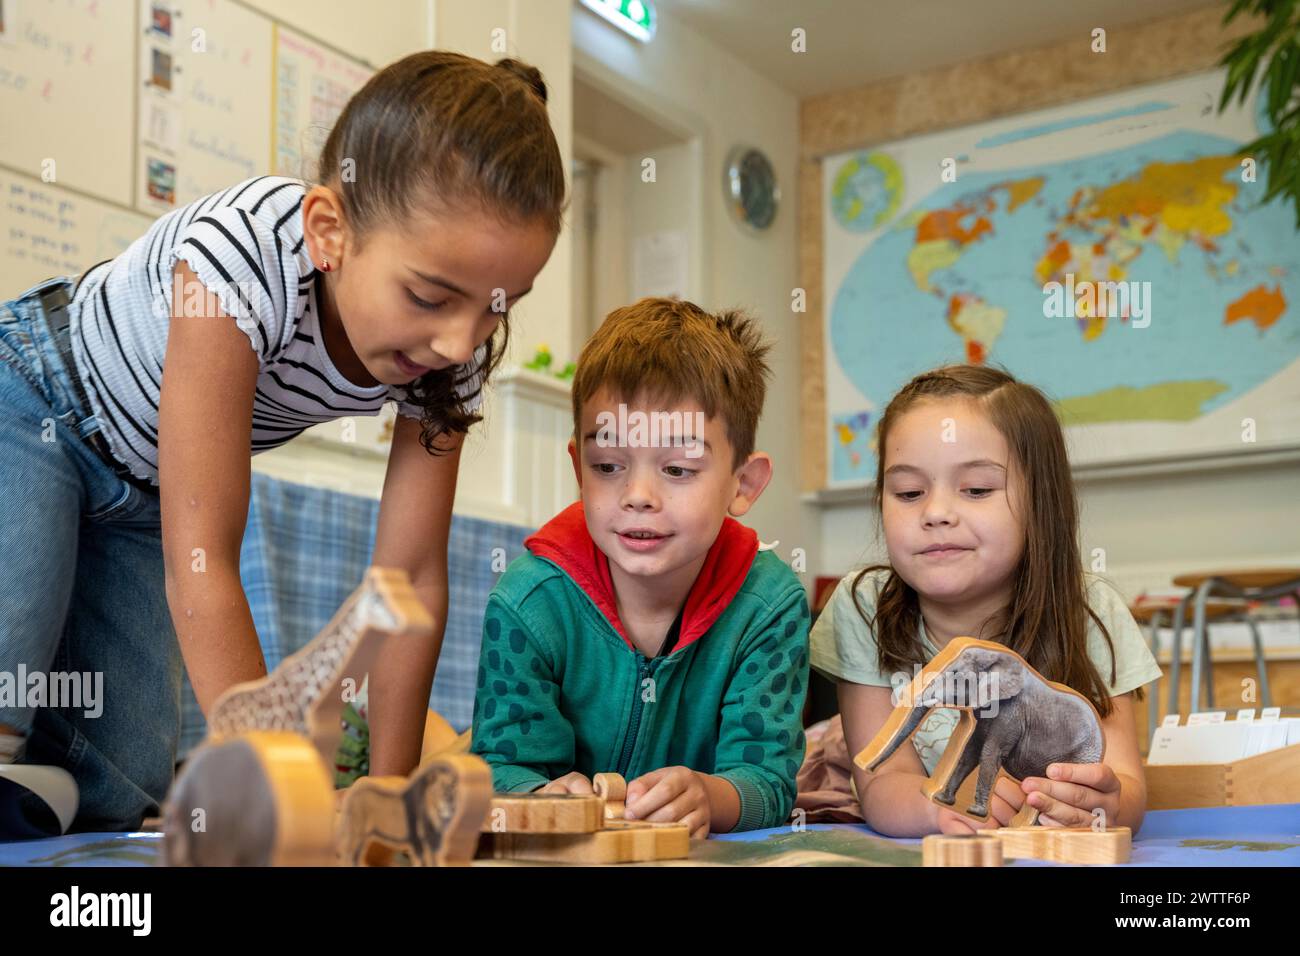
{"type": "Point", "coordinates": [82, 596]}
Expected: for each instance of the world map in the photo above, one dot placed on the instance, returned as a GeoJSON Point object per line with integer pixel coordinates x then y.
{"type": "Point", "coordinates": [1144, 283]}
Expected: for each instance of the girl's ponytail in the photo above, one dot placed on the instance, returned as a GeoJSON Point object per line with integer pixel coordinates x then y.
{"type": "Point", "coordinates": [529, 74]}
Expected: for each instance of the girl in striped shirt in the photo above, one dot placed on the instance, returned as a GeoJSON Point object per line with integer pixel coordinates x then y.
{"type": "Point", "coordinates": [137, 392]}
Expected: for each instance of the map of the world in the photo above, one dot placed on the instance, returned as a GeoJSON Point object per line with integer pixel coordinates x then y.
{"type": "Point", "coordinates": [1114, 252]}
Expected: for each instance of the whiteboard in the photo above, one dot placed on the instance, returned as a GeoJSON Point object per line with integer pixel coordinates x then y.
{"type": "Point", "coordinates": [65, 77]}
{"type": "Point", "coordinates": [204, 116]}
{"type": "Point", "coordinates": [50, 231]}
{"type": "Point", "coordinates": [117, 111]}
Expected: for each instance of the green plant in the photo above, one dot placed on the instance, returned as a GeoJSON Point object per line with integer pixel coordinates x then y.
{"type": "Point", "coordinates": [1276, 48]}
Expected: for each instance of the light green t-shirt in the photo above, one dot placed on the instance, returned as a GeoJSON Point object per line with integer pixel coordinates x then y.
{"type": "Point", "coordinates": [842, 648]}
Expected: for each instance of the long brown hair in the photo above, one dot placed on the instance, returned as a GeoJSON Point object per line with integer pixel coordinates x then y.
{"type": "Point", "coordinates": [1046, 621]}
{"type": "Point", "coordinates": [443, 131]}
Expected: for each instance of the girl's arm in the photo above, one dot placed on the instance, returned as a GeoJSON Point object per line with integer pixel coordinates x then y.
{"type": "Point", "coordinates": [891, 798]}
{"type": "Point", "coordinates": [205, 421]}
{"type": "Point", "coordinates": [414, 525]}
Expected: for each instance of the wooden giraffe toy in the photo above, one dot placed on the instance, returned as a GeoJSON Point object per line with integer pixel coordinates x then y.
{"type": "Point", "coordinates": [303, 694]}
{"type": "Point", "coordinates": [258, 791]}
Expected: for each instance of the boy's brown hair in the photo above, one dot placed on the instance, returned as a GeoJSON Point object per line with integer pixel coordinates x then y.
{"type": "Point", "coordinates": [664, 351]}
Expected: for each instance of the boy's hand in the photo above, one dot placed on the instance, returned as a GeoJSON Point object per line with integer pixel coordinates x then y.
{"type": "Point", "coordinates": [1071, 791]}
{"type": "Point", "coordinates": [1004, 803]}
{"type": "Point", "coordinates": [569, 783]}
{"type": "Point", "coordinates": [670, 795]}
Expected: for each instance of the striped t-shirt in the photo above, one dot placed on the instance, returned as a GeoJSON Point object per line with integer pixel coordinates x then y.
{"type": "Point", "coordinates": [246, 246]}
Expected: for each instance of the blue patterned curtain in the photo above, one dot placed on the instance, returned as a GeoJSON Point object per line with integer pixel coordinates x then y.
{"type": "Point", "coordinates": [305, 550]}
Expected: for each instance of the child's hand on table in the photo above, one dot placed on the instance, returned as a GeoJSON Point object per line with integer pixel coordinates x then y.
{"type": "Point", "coordinates": [670, 795]}
{"type": "Point", "coordinates": [1004, 803]}
{"type": "Point", "coordinates": [569, 783]}
{"type": "Point", "coordinates": [1071, 791]}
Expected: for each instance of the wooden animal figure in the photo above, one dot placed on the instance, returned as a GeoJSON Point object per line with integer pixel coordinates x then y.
{"type": "Point", "coordinates": [303, 693]}
{"type": "Point", "coordinates": [1013, 721]}
{"type": "Point", "coordinates": [258, 799]}
{"type": "Point", "coordinates": [258, 791]}
{"type": "Point", "coordinates": [434, 817]}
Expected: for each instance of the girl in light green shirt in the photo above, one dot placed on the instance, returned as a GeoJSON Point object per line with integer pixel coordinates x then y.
{"type": "Point", "coordinates": [976, 501]}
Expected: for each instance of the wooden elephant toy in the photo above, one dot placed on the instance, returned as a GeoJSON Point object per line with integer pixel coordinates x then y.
{"type": "Point", "coordinates": [1013, 722]}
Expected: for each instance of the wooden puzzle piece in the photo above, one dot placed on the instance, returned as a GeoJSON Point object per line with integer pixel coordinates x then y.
{"type": "Point", "coordinates": [579, 828]}
{"type": "Point", "coordinates": [1066, 844]}
{"type": "Point", "coordinates": [619, 841]}
{"type": "Point", "coordinates": [303, 694]}
{"type": "Point", "coordinates": [544, 813]}
{"type": "Point", "coordinates": [262, 798]}
{"type": "Point", "coordinates": [558, 812]}
{"type": "Point", "coordinates": [1077, 845]}
{"type": "Point", "coordinates": [961, 849]}
{"type": "Point", "coordinates": [434, 817]}
{"type": "Point", "coordinates": [1012, 723]}
{"type": "Point", "coordinates": [612, 789]}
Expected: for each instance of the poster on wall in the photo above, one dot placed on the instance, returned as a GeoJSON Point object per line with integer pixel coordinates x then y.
{"type": "Point", "coordinates": [204, 117]}
{"type": "Point", "coordinates": [312, 85]}
{"type": "Point", "coordinates": [1113, 252]}
{"type": "Point", "coordinates": [66, 70]}
{"type": "Point", "coordinates": [50, 231]}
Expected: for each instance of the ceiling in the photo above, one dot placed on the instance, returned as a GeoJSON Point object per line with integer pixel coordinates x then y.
{"type": "Point", "coordinates": [851, 43]}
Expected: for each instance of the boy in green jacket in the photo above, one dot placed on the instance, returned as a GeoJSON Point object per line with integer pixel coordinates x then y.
{"type": "Point", "coordinates": [645, 632]}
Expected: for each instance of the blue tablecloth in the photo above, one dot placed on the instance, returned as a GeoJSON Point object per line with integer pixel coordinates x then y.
{"type": "Point", "coordinates": [1219, 836]}
{"type": "Point", "coordinates": [1224, 836]}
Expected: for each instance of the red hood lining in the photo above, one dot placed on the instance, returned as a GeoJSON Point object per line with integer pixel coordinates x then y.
{"type": "Point", "coordinates": [566, 542]}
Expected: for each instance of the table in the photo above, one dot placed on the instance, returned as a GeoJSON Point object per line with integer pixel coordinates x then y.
{"type": "Point", "coordinates": [1210, 837]}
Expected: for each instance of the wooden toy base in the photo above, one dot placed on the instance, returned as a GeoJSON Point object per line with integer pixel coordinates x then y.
{"type": "Point", "coordinates": [1077, 845]}
{"type": "Point", "coordinates": [578, 828]}
{"type": "Point", "coordinates": [974, 849]}
{"type": "Point", "coordinates": [1066, 844]}
{"type": "Point", "coordinates": [619, 841]}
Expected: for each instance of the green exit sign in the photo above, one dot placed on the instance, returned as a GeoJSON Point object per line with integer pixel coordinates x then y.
{"type": "Point", "coordinates": [634, 17]}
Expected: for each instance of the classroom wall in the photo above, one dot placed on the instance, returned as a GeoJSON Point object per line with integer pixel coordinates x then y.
{"type": "Point", "coordinates": [536, 31]}
{"type": "Point", "coordinates": [1152, 524]}
{"type": "Point", "coordinates": [718, 101]}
